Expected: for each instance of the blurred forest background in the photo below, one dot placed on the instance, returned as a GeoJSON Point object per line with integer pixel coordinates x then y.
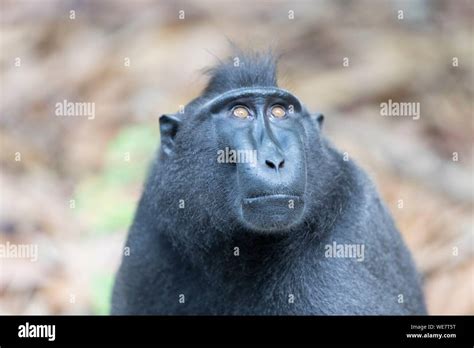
{"type": "Point", "coordinates": [75, 189]}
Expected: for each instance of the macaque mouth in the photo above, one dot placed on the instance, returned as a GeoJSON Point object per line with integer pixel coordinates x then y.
{"type": "Point", "coordinates": [272, 212]}
{"type": "Point", "coordinates": [273, 199]}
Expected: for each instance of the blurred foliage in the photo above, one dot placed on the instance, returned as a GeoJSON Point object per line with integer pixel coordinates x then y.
{"type": "Point", "coordinates": [105, 198]}
{"type": "Point", "coordinates": [102, 285]}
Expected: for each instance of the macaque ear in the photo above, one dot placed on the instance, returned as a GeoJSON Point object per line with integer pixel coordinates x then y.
{"type": "Point", "coordinates": [319, 118]}
{"type": "Point", "coordinates": [169, 126]}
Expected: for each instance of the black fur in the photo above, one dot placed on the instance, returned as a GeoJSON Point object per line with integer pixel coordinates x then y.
{"type": "Point", "coordinates": [190, 251]}
{"type": "Point", "coordinates": [242, 70]}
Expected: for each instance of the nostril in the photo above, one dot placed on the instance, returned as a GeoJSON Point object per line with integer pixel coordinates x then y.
{"type": "Point", "coordinates": [270, 164]}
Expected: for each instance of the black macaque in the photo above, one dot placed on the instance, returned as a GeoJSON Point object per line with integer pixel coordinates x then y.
{"type": "Point", "coordinates": [249, 210]}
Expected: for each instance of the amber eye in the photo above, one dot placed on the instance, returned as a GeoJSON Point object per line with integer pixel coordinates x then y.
{"type": "Point", "coordinates": [278, 111]}
{"type": "Point", "coordinates": [241, 112]}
